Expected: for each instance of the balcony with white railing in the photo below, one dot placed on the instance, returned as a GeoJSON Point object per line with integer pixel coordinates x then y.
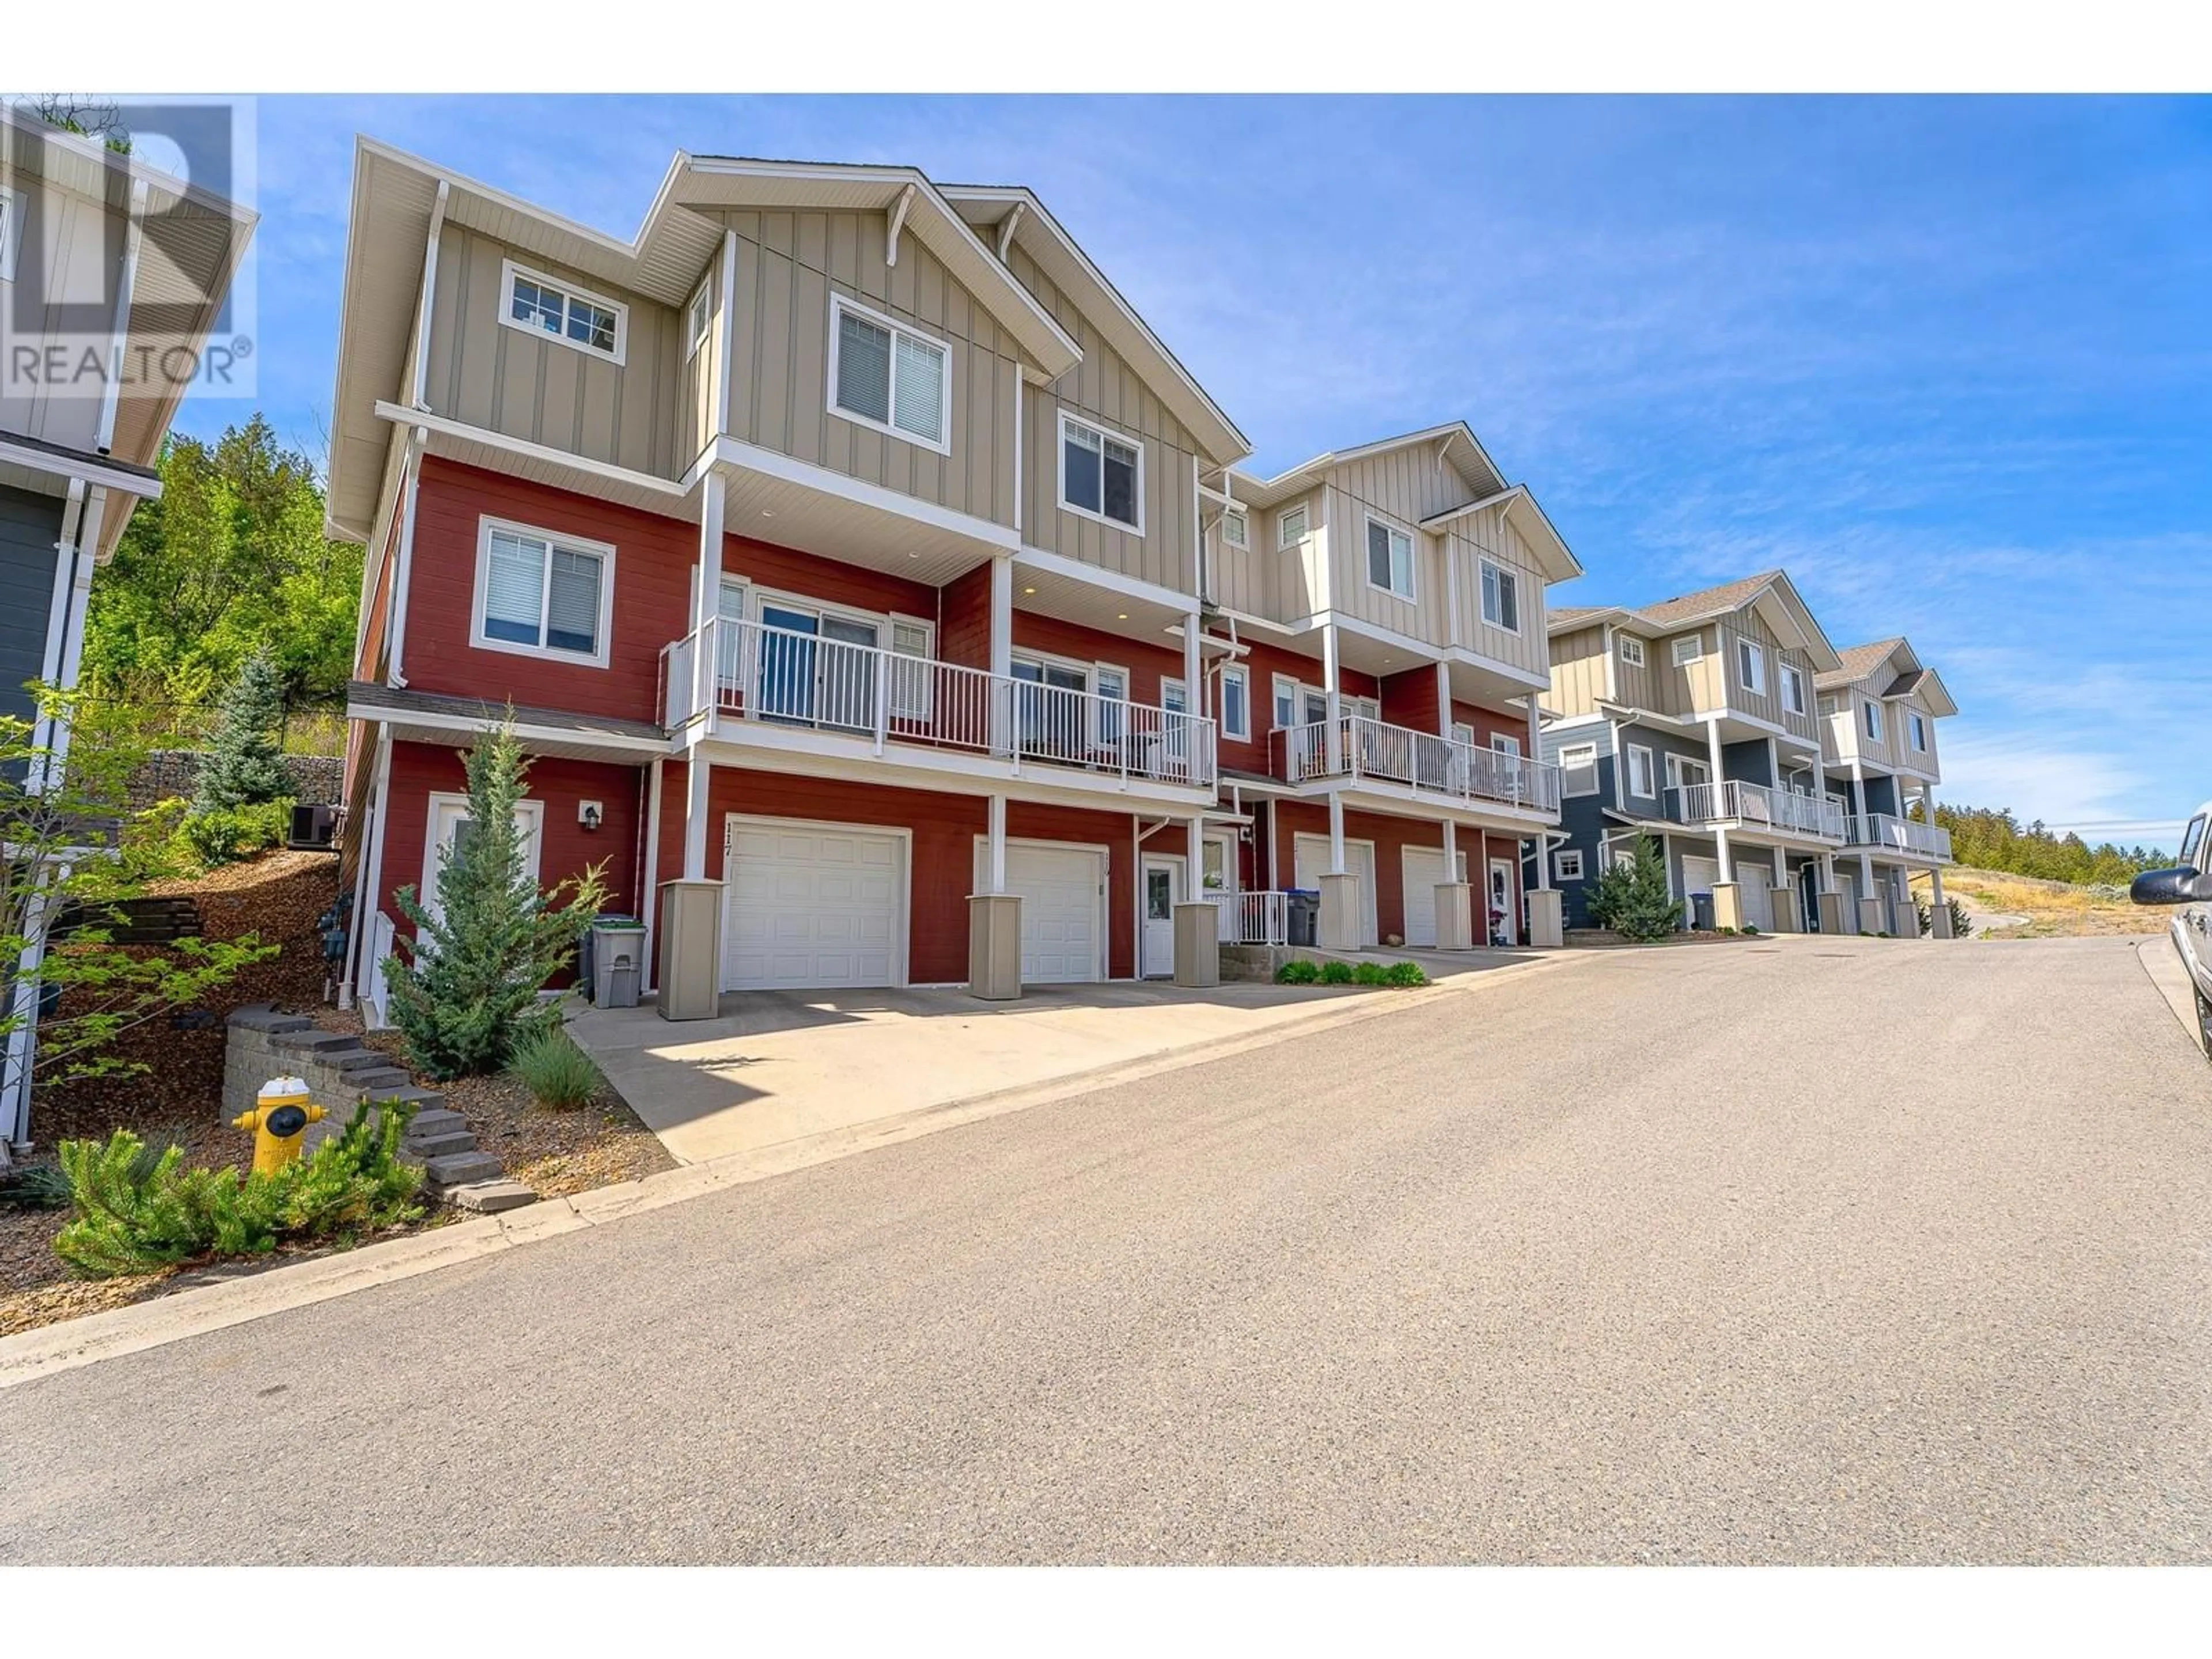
{"type": "Point", "coordinates": [1355, 747]}
{"type": "Point", "coordinates": [1885, 829]}
{"type": "Point", "coordinates": [743, 675]}
{"type": "Point", "coordinates": [1754, 806]}
{"type": "Point", "coordinates": [1251, 918]}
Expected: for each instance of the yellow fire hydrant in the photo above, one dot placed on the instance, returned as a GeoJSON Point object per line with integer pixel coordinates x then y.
{"type": "Point", "coordinates": [280, 1117]}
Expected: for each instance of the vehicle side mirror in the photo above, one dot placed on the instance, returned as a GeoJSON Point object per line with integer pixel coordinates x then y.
{"type": "Point", "coordinates": [2179, 886]}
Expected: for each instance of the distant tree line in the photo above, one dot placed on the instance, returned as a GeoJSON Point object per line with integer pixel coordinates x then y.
{"type": "Point", "coordinates": [1988, 838]}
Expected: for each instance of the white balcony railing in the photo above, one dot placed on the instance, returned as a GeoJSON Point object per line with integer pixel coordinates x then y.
{"type": "Point", "coordinates": [744, 670]}
{"type": "Point", "coordinates": [1733, 801]}
{"type": "Point", "coordinates": [1900, 835]}
{"type": "Point", "coordinates": [1252, 918]}
{"type": "Point", "coordinates": [1354, 746]}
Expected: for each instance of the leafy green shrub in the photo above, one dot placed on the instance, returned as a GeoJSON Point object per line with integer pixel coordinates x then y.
{"type": "Point", "coordinates": [224, 835]}
{"type": "Point", "coordinates": [34, 1186]}
{"type": "Point", "coordinates": [1299, 972]}
{"type": "Point", "coordinates": [1729, 931]}
{"type": "Point", "coordinates": [557, 1073]}
{"type": "Point", "coordinates": [137, 1209]}
{"type": "Point", "coordinates": [1336, 973]}
{"type": "Point", "coordinates": [1632, 898]}
{"type": "Point", "coordinates": [1369, 973]}
{"type": "Point", "coordinates": [1404, 975]}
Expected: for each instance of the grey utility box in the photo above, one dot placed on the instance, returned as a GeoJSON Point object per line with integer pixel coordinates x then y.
{"type": "Point", "coordinates": [691, 942]}
{"type": "Point", "coordinates": [618, 961]}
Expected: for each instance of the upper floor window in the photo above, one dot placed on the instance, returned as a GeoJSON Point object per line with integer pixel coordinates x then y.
{"type": "Point", "coordinates": [1389, 559]}
{"type": "Point", "coordinates": [537, 304]}
{"type": "Point", "coordinates": [1578, 769]}
{"type": "Point", "coordinates": [1567, 864]}
{"type": "Point", "coordinates": [1504, 743]}
{"type": "Point", "coordinates": [1751, 666]}
{"type": "Point", "coordinates": [1687, 648]}
{"type": "Point", "coordinates": [699, 317]}
{"type": "Point", "coordinates": [1640, 782]}
{"type": "Point", "coordinates": [1918, 727]}
{"type": "Point", "coordinates": [11, 231]}
{"type": "Point", "coordinates": [886, 375]}
{"type": "Point", "coordinates": [1632, 651]}
{"type": "Point", "coordinates": [1101, 476]}
{"type": "Point", "coordinates": [1291, 528]}
{"type": "Point", "coordinates": [1235, 703]}
{"type": "Point", "coordinates": [1501, 597]}
{"type": "Point", "coordinates": [1793, 688]}
{"type": "Point", "coordinates": [1236, 532]}
{"type": "Point", "coordinates": [1870, 715]}
{"type": "Point", "coordinates": [540, 594]}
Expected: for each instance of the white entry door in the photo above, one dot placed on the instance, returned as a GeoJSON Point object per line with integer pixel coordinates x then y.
{"type": "Point", "coordinates": [811, 907]}
{"type": "Point", "coordinates": [1425, 873]}
{"type": "Point", "coordinates": [1063, 894]}
{"type": "Point", "coordinates": [1311, 861]}
{"type": "Point", "coordinates": [449, 817]}
{"type": "Point", "coordinates": [1847, 890]}
{"type": "Point", "coordinates": [1501, 899]}
{"type": "Point", "coordinates": [1162, 891]}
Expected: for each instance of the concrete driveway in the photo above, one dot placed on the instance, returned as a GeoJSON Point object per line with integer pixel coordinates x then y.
{"type": "Point", "coordinates": [780, 1067]}
{"type": "Point", "coordinates": [1805, 1251]}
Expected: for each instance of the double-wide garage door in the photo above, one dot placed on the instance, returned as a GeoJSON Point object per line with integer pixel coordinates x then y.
{"type": "Point", "coordinates": [811, 907]}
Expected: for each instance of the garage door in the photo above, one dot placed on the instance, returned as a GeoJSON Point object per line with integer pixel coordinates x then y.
{"type": "Point", "coordinates": [1699, 875]}
{"type": "Point", "coordinates": [810, 907]}
{"type": "Point", "coordinates": [1424, 873]}
{"type": "Point", "coordinates": [1311, 860]}
{"type": "Point", "coordinates": [1063, 893]}
{"type": "Point", "coordinates": [1752, 876]}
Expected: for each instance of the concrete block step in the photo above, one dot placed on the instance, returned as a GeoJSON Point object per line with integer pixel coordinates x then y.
{"type": "Point", "coordinates": [350, 1060]}
{"type": "Point", "coordinates": [443, 1146]}
{"type": "Point", "coordinates": [461, 1168]}
{"type": "Point", "coordinates": [490, 1197]}
{"type": "Point", "coordinates": [438, 1120]}
{"type": "Point", "coordinates": [376, 1086]}
{"type": "Point", "coordinates": [316, 1043]}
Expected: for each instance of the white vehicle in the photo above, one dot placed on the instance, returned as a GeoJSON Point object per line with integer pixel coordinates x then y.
{"type": "Point", "coordinates": [2188, 883]}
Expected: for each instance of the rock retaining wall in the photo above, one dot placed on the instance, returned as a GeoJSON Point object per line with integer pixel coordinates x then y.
{"type": "Point", "coordinates": [318, 779]}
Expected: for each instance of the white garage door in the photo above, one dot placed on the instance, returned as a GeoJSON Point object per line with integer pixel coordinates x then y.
{"type": "Point", "coordinates": [1699, 875]}
{"type": "Point", "coordinates": [1425, 873]}
{"type": "Point", "coordinates": [1063, 893]}
{"type": "Point", "coordinates": [1311, 860]}
{"type": "Point", "coordinates": [1752, 873]}
{"type": "Point", "coordinates": [810, 908]}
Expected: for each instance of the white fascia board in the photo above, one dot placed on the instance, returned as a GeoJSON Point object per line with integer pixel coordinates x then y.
{"type": "Point", "coordinates": [737, 456]}
{"type": "Point", "coordinates": [91, 469]}
{"type": "Point", "coordinates": [440, 426]}
{"type": "Point", "coordinates": [1113, 581]}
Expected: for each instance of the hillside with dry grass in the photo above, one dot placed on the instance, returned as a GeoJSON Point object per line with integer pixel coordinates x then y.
{"type": "Point", "coordinates": [2005, 906]}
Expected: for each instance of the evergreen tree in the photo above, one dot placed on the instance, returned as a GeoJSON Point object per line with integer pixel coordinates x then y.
{"type": "Point", "coordinates": [1632, 897]}
{"type": "Point", "coordinates": [244, 766]}
{"type": "Point", "coordinates": [467, 991]}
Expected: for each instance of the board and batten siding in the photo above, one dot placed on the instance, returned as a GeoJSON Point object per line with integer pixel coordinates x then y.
{"type": "Point", "coordinates": [1578, 672]}
{"type": "Point", "coordinates": [1103, 390]}
{"type": "Point", "coordinates": [789, 265]}
{"type": "Point", "coordinates": [68, 236]}
{"type": "Point", "coordinates": [1487, 535]}
{"type": "Point", "coordinates": [701, 367]}
{"type": "Point", "coordinates": [540, 390]}
{"type": "Point", "coordinates": [30, 526]}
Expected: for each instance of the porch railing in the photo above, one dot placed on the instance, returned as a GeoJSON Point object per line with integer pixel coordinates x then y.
{"type": "Point", "coordinates": [1354, 746]}
{"type": "Point", "coordinates": [1900, 835]}
{"type": "Point", "coordinates": [1252, 918]}
{"type": "Point", "coordinates": [746, 671]}
{"type": "Point", "coordinates": [1733, 801]}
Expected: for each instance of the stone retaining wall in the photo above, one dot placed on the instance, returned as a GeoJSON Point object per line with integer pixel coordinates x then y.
{"type": "Point", "coordinates": [318, 779]}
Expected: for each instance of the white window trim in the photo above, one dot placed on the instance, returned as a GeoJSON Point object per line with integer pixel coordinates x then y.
{"type": "Point", "coordinates": [704, 291]}
{"type": "Point", "coordinates": [1916, 731]}
{"type": "Point", "coordinates": [1067, 418]}
{"type": "Point", "coordinates": [13, 206]}
{"type": "Point", "coordinates": [1562, 869]}
{"type": "Point", "coordinates": [1631, 650]}
{"type": "Point", "coordinates": [1695, 653]}
{"type": "Point", "coordinates": [530, 810]}
{"type": "Point", "coordinates": [1284, 539]}
{"type": "Point", "coordinates": [1677, 763]}
{"type": "Point", "coordinates": [839, 305]}
{"type": "Point", "coordinates": [1504, 743]}
{"type": "Point", "coordinates": [1573, 758]}
{"type": "Point", "coordinates": [1650, 790]}
{"type": "Point", "coordinates": [509, 270]}
{"type": "Point", "coordinates": [601, 633]}
{"type": "Point", "coordinates": [1242, 676]}
{"type": "Point", "coordinates": [1751, 666]}
{"type": "Point", "coordinates": [1870, 720]}
{"type": "Point", "coordinates": [790, 601]}
{"type": "Point", "coordinates": [1506, 572]}
{"type": "Point", "coordinates": [1242, 542]}
{"type": "Point", "coordinates": [1413, 560]}
{"type": "Point", "coordinates": [1789, 674]}
{"type": "Point", "coordinates": [1176, 681]}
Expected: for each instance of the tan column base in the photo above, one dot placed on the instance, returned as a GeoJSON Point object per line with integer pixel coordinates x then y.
{"type": "Point", "coordinates": [1340, 928]}
{"type": "Point", "coordinates": [1782, 905]}
{"type": "Point", "coordinates": [1548, 912]}
{"type": "Point", "coordinates": [994, 946]}
{"type": "Point", "coordinates": [1454, 915]}
{"type": "Point", "coordinates": [1870, 917]}
{"type": "Point", "coordinates": [1939, 917]}
{"type": "Point", "coordinates": [1832, 913]}
{"type": "Point", "coordinates": [1197, 945]}
{"type": "Point", "coordinates": [690, 943]}
{"type": "Point", "coordinates": [1727, 904]}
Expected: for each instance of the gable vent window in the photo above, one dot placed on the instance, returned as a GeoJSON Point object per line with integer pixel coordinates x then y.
{"type": "Point", "coordinates": [1101, 476]}
{"type": "Point", "coordinates": [889, 377]}
{"type": "Point", "coordinates": [1632, 651]}
{"type": "Point", "coordinates": [537, 304]}
{"type": "Point", "coordinates": [1688, 649]}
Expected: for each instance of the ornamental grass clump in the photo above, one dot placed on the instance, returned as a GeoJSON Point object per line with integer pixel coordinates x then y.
{"type": "Point", "coordinates": [554, 1069]}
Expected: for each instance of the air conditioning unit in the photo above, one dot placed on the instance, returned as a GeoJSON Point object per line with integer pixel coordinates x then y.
{"type": "Point", "coordinates": [314, 828]}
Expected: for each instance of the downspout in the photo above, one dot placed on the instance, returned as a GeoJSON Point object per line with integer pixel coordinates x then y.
{"type": "Point", "coordinates": [110, 395]}
{"type": "Point", "coordinates": [80, 600]}
{"type": "Point", "coordinates": [65, 556]}
{"type": "Point", "coordinates": [395, 673]}
{"type": "Point", "coordinates": [369, 873]}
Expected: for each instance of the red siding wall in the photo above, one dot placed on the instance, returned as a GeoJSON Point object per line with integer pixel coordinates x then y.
{"type": "Point", "coordinates": [1265, 661]}
{"type": "Point", "coordinates": [804, 575]}
{"type": "Point", "coordinates": [1513, 722]}
{"type": "Point", "coordinates": [1147, 664]}
{"type": "Point", "coordinates": [963, 634]}
{"type": "Point", "coordinates": [1391, 837]}
{"type": "Point", "coordinates": [1410, 699]}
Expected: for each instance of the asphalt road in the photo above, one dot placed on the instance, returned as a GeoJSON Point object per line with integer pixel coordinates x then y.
{"type": "Point", "coordinates": [1856, 1252]}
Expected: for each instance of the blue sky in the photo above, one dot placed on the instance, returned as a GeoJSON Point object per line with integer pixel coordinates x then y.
{"type": "Point", "coordinates": [1946, 361]}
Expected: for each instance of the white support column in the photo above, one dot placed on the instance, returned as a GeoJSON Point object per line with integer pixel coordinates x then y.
{"type": "Point", "coordinates": [1002, 617]}
{"type": "Point", "coordinates": [1443, 701]}
{"type": "Point", "coordinates": [1451, 852]}
{"type": "Point", "coordinates": [707, 605]}
{"type": "Point", "coordinates": [1859, 806]}
{"type": "Point", "coordinates": [1335, 833]}
{"type": "Point", "coordinates": [1536, 734]}
{"type": "Point", "coordinates": [1194, 690]}
{"type": "Point", "coordinates": [650, 900]}
{"type": "Point", "coordinates": [1332, 698]}
{"type": "Point", "coordinates": [995, 841]}
{"type": "Point", "coordinates": [1720, 836]}
{"type": "Point", "coordinates": [1196, 828]}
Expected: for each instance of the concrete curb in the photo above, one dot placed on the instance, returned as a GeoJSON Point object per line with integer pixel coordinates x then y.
{"type": "Point", "coordinates": [86, 1342]}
